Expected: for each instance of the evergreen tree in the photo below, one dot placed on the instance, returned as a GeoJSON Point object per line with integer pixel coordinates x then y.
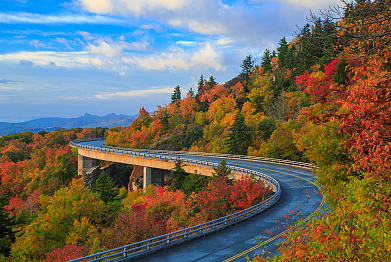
{"type": "Point", "coordinates": [176, 96]}
{"type": "Point", "coordinates": [178, 175]}
{"type": "Point", "coordinates": [282, 52]}
{"type": "Point", "coordinates": [106, 188]}
{"type": "Point", "coordinates": [164, 121]}
{"type": "Point", "coordinates": [223, 171]}
{"type": "Point", "coordinates": [267, 125]}
{"type": "Point", "coordinates": [211, 82]}
{"type": "Point", "coordinates": [194, 183]}
{"type": "Point", "coordinates": [266, 60]}
{"type": "Point", "coordinates": [247, 65]}
{"type": "Point", "coordinates": [191, 92]}
{"type": "Point", "coordinates": [7, 235]}
{"type": "Point", "coordinates": [290, 58]}
{"type": "Point", "coordinates": [201, 83]}
{"type": "Point", "coordinates": [238, 136]}
{"type": "Point", "coordinates": [304, 58]}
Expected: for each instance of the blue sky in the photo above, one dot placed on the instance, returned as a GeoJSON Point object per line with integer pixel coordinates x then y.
{"type": "Point", "coordinates": [66, 58]}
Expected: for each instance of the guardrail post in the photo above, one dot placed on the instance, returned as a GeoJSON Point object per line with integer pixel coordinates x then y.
{"type": "Point", "coordinates": [168, 239]}
{"type": "Point", "coordinates": [125, 254]}
{"type": "Point", "coordinates": [149, 245]}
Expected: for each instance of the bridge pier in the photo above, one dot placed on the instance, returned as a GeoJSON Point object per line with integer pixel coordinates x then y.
{"type": "Point", "coordinates": [153, 176]}
{"type": "Point", "coordinates": [84, 164]}
{"type": "Point", "coordinates": [149, 176]}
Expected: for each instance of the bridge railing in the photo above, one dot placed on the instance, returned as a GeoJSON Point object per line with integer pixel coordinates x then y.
{"type": "Point", "coordinates": [215, 155]}
{"type": "Point", "coordinates": [155, 244]}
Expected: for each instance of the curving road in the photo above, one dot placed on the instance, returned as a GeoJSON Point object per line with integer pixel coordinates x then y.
{"type": "Point", "coordinates": [239, 241]}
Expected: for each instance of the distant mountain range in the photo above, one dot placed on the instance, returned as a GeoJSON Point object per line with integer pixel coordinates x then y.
{"type": "Point", "coordinates": [52, 123]}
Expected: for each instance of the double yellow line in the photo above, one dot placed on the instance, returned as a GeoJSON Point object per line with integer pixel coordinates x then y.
{"type": "Point", "coordinates": [284, 232]}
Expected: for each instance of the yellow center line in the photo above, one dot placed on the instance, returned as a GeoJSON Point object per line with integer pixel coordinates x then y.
{"type": "Point", "coordinates": [284, 232]}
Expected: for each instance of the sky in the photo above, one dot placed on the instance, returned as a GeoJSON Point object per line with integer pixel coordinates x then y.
{"type": "Point", "coordinates": [63, 58]}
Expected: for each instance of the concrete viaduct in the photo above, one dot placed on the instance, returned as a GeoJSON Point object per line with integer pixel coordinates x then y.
{"type": "Point", "coordinates": [153, 171]}
{"type": "Point", "coordinates": [295, 190]}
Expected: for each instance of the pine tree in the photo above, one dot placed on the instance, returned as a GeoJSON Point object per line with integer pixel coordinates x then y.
{"type": "Point", "coordinates": [282, 52]}
{"type": "Point", "coordinates": [266, 60]}
{"type": "Point", "coordinates": [211, 82]}
{"type": "Point", "coordinates": [223, 171]}
{"type": "Point", "coordinates": [165, 120]}
{"type": "Point", "coordinates": [106, 188]}
{"type": "Point", "coordinates": [247, 65]}
{"type": "Point", "coordinates": [176, 96]}
{"type": "Point", "coordinates": [194, 183]}
{"type": "Point", "coordinates": [201, 83]}
{"type": "Point", "coordinates": [191, 92]}
{"type": "Point", "coordinates": [178, 175]}
{"type": "Point", "coordinates": [303, 55]}
{"type": "Point", "coordinates": [7, 235]}
{"type": "Point", "coordinates": [238, 136]}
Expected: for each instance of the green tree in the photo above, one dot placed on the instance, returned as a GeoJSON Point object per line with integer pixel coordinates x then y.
{"type": "Point", "coordinates": [194, 183]}
{"type": "Point", "coordinates": [223, 171]}
{"type": "Point", "coordinates": [266, 60]}
{"type": "Point", "coordinates": [267, 125]}
{"type": "Point", "coordinates": [247, 65]}
{"type": "Point", "coordinates": [282, 52]}
{"type": "Point", "coordinates": [176, 96]}
{"type": "Point", "coordinates": [178, 175]}
{"type": "Point", "coordinates": [201, 83]}
{"type": "Point", "coordinates": [211, 82]}
{"type": "Point", "coordinates": [191, 92]}
{"type": "Point", "coordinates": [7, 235]}
{"type": "Point", "coordinates": [106, 188]}
{"type": "Point", "coordinates": [238, 136]}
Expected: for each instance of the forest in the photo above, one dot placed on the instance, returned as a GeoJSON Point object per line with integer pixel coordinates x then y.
{"type": "Point", "coordinates": [324, 97]}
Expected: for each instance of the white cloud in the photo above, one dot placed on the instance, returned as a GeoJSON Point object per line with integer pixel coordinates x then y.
{"type": "Point", "coordinates": [65, 42]}
{"type": "Point", "coordinates": [103, 48]}
{"type": "Point", "coordinates": [136, 93]}
{"type": "Point", "coordinates": [36, 43]}
{"type": "Point", "coordinates": [110, 48]}
{"type": "Point", "coordinates": [45, 58]}
{"type": "Point", "coordinates": [311, 4]}
{"type": "Point", "coordinates": [31, 18]}
{"type": "Point", "coordinates": [178, 59]}
{"type": "Point", "coordinates": [207, 57]}
{"type": "Point", "coordinates": [251, 23]}
{"type": "Point", "coordinates": [186, 43]}
{"type": "Point", "coordinates": [131, 7]}
{"type": "Point", "coordinates": [71, 98]}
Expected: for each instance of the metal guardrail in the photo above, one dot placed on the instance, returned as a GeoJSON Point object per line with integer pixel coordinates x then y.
{"type": "Point", "coordinates": [155, 244]}
{"type": "Point", "coordinates": [215, 155]}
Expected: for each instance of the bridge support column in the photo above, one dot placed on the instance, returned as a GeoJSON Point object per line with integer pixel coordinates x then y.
{"type": "Point", "coordinates": [84, 164]}
{"type": "Point", "coordinates": [153, 176]}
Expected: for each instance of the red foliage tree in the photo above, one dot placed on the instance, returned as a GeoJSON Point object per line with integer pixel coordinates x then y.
{"type": "Point", "coordinates": [67, 253]}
